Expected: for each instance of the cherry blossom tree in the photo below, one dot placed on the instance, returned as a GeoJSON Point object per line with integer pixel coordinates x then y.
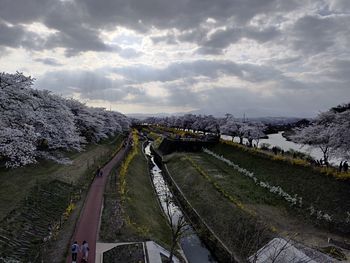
{"type": "Point", "coordinates": [253, 131]}
{"type": "Point", "coordinates": [18, 146]}
{"type": "Point", "coordinates": [229, 126]}
{"type": "Point", "coordinates": [316, 135]}
{"type": "Point", "coordinates": [329, 131]}
{"type": "Point", "coordinates": [37, 123]}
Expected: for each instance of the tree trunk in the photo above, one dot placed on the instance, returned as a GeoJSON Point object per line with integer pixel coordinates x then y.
{"type": "Point", "coordinates": [325, 155]}
{"type": "Point", "coordinates": [170, 259]}
{"type": "Point", "coordinates": [250, 142]}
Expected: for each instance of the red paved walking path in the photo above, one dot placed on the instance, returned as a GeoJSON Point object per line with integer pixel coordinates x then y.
{"type": "Point", "coordinates": [88, 224]}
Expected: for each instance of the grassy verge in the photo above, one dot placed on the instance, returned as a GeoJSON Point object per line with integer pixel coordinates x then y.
{"type": "Point", "coordinates": [136, 205]}
{"type": "Point", "coordinates": [317, 191]}
{"type": "Point", "coordinates": [240, 232]}
{"type": "Point", "coordinates": [15, 184]}
{"type": "Point", "coordinates": [232, 182]}
{"type": "Point", "coordinates": [37, 200]}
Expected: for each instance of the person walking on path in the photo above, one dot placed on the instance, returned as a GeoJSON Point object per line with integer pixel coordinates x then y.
{"type": "Point", "coordinates": [340, 166]}
{"type": "Point", "coordinates": [345, 166]}
{"type": "Point", "coordinates": [75, 250]}
{"type": "Point", "coordinates": [99, 172]}
{"type": "Point", "coordinates": [85, 251]}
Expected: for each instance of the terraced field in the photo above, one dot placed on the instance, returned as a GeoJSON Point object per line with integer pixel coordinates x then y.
{"type": "Point", "coordinates": [39, 219]}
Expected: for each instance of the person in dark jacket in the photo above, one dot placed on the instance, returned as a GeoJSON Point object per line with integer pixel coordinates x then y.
{"type": "Point", "coordinates": [75, 250]}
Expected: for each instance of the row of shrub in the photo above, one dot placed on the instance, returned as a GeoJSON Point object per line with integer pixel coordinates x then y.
{"type": "Point", "coordinates": [125, 165]}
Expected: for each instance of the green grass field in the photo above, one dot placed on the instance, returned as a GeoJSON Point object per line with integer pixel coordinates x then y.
{"type": "Point", "coordinates": [142, 215]}
{"type": "Point", "coordinates": [322, 192]}
{"type": "Point", "coordinates": [235, 207]}
{"type": "Point", "coordinates": [241, 232]}
{"type": "Point", "coordinates": [230, 180]}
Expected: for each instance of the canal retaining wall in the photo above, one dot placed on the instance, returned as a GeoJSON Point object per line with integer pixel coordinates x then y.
{"type": "Point", "coordinates": [170, 145]}
{"type": "Point", "coordinates": [213, 242]}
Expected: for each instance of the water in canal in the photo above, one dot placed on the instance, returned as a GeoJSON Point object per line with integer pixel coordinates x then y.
{"type": "Point", "coordinates": [194, 249]}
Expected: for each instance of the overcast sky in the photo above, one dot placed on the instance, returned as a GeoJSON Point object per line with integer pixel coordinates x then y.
{"type": "Point", "coordinates": [259, 57]}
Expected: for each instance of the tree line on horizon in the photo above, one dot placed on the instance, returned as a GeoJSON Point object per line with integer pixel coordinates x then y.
{"type": "Point", "coordinates": [329, 131]}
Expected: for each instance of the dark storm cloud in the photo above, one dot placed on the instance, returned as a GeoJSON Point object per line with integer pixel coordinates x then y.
{"type": "Point", "coordinates": [90, 84]}
{"type": "Point", "coordinates": [169, 39]}
{"type": "Point", "coordinates": [262, 35]}
{"type": "Point", "coordinates": [315, 34]}
{"type": "Point", "coordinates": [17, 36]}
{"type": "Point", "coordinates": [215, 43]}
{"type": "Point", "coordinates": [181, 14]}
{"type": "Point", "coordinates": [73, 33]}
{"type": "Point", "coordinates": [69, 33]}
{"type": "Point", "coordinates": [25, 11]}
{"type": "Point", "coordinates": [210, 69]}
{"type": "Point", "coordinates": [49, 61]}
{"type": "Point", "coordinates": [64, 18]}
{"type": "Point", "coordinates": [221, 39]}
{"type": "Point", "coordinates": [67, 18]}
{"type": "Point", "coordinates": [78, 23]}
{"type": "Point", "coordinates": [174, 71]}
{"type": "Point", "coordinates": [338, 70]}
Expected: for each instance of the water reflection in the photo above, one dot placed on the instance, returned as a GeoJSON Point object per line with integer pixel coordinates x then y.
{"type": "Point", "coordinates": [276, 139]}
